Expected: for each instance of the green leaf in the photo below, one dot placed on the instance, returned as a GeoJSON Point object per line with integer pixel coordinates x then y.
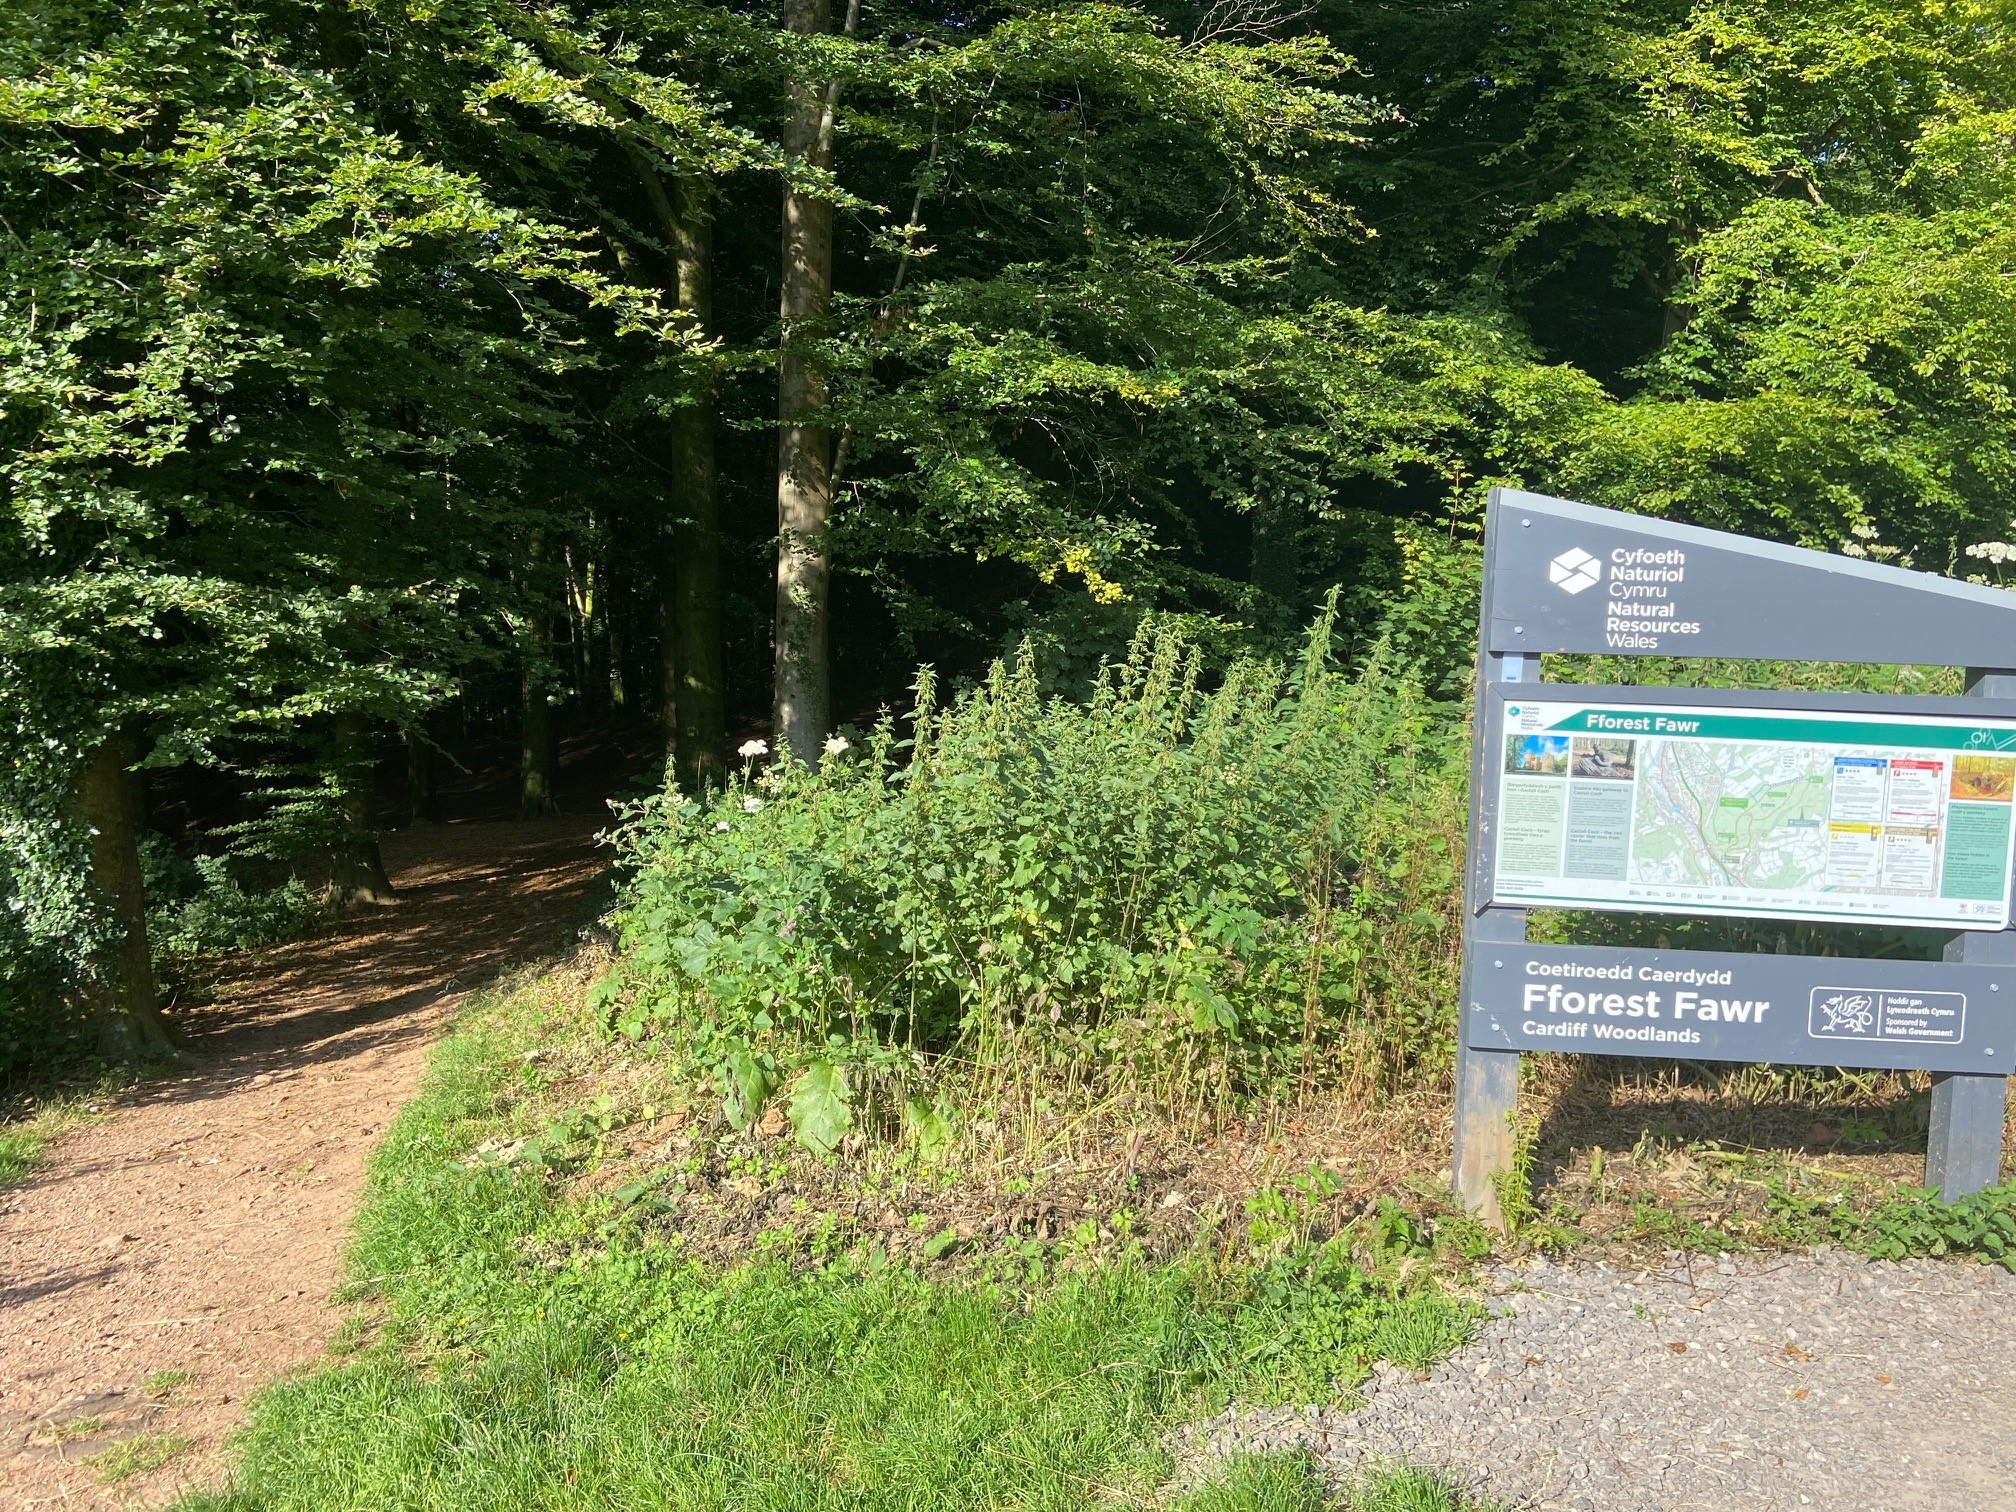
{"type": "Point", "coordinates": [930, 1124]}
{"type": "Point", "coordinates": [746, 1080]}
{"type": "Point", "coordinates": [819, 1111]}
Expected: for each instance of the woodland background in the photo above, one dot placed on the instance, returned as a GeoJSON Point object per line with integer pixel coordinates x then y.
{"type": "Point", "coordinates": [384, 378]}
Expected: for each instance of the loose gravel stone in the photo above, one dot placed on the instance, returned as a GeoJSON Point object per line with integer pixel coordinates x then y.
{"type": "Point", "coordinates": [1819, 1381]}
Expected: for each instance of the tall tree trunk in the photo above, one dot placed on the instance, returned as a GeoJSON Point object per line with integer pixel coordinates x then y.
{"type": "Point", "coordinates": [616, 632]}
{"type": "Point", "coordinates": [802, 692]}
{"type": "Point", "coordinates": [596, 685]}
{"type": "Point", "coordinates": [668, 652]}
{"type": "Point", "coordinates": [119, 985]}
{"type": "Point", "coordinates": [579, 604]}
{"type": "Point", "coordinates": [423, 769]}
{"type": "Point", "coordinates": [690, 683]}
{"type": "Point", "coordinates": [538, 747]}
{"type": "Point", "coordinates": [1674, 313]}
{"type": "Point", "coordinates": [701, 729]}
{"type": "Point", "coordinates": [357, 873]}
{"type": "Point", "coordinates": [539, 744]}
{"type": "Point", "coordinates": [1276, 566]}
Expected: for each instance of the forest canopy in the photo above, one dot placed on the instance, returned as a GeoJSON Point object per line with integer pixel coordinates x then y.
{"type": "Point", "coordinates": [372, 370]}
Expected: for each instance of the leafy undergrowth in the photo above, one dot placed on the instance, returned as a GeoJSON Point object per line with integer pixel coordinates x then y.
{"type": "Point", "coordinates": [1206, 895]}
{"type": "Point", "coordinates": [530, 1339]}
{"type": "Point", "coordinates": [1067, 1185]}
{"type": "Point", "coordinates": [204, 909]}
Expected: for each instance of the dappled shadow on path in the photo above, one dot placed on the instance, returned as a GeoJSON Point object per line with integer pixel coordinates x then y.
{"type": "Point", "coordinates": [198, 1226]}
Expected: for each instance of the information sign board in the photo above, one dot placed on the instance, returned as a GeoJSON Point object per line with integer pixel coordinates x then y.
{"type": "Point", "coordinates": [1613, 799]}
{"type": "Point", "coordinates": [1718, 1005]}
{"type": "Point", "coordinates": [1894, 811]}
{"type": "Point", "coordinates": [1568, 577]}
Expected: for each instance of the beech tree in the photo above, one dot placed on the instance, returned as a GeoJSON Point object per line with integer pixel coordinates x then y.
{"type": "Point", "coordinates": [267, 382]}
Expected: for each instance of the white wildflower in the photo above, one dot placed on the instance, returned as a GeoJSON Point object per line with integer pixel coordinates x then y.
{"type": "Point", "coordinates": [751, 749]}
{"type": "Point", "coordinates": [751, 805]}
{"type": "Point", "coordinates": [837, 745]}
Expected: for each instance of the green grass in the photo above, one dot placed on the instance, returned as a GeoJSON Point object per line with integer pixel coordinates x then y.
{"type": "Point", "coordinates": [1290, 1482]}
{"type": "Point", "coordinates": [25, 1141]}
{"type": "Point", "coordinates": [164, 1383]}
{"type": "Point", "coordinates": [70, 1431]}
{"type": "Point", "coordinates": [539, 1354]}
{"type": "Point", "coordinates": [1285, 1482]}
{"type": "Point", "coordinates": [1408, 1490]}
{"type": "Point", "coordinates": [35, 1115]}
{"type": "Point", "coordinates": [142, 1454]}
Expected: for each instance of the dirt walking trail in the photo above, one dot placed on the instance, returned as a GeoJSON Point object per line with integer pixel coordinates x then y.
{"type": "Point", "coordinates": [199, 1225]}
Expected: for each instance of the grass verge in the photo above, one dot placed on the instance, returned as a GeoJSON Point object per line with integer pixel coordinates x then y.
{"type": "Point", "coordinates": [1638, 1161]}
{"type": "Point", "coordinates": [535, 1343]}
{"type": "Point", "coordinates": [1290, 1482]}
{"type": "Point", "coordinates": [142, 1454]}
{"type": "Point", "coordinates": [23, 1142]}
{"type": "Point", "coordinates": [37, 1112]}
{"type": "Point", "coordinates": [27, 1131]}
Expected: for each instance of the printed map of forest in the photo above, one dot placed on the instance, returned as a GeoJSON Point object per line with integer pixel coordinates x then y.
{"type": "Point", "coordinates": [1713, 815]}
{"type": "Point", "coordinates": [1654, 809]}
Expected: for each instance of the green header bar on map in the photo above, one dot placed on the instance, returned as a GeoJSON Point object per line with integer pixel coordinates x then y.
{"type": "Point", "coordinates": [1939, 735]}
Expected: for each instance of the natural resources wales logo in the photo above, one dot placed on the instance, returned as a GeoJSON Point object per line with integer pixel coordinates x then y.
{"type": "Point", "coordinates": [1574, 570]}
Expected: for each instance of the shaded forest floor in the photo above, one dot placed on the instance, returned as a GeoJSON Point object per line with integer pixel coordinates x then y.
{"type": "Point", "coordinates": [181, 1249]}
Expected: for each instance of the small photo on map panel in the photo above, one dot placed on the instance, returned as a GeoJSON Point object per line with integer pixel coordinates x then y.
{"type": "Point", "coordinates": [1599, 756]}
{"type": "Point", "coordinates": [1536, 755]}
{"type": "Point", "coordinates": [1984, 779]}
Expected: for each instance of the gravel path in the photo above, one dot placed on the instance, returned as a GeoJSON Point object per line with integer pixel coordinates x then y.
{"type": "Point", "coordinates": [1822, 1381]}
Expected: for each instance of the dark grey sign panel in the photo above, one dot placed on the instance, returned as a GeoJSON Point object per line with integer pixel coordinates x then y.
{"type": "Point", "coordinates": [1715, 1005]}
{"type": "Point", "coordinates": [1560, 576]}
{"type": "Point", "coordinates": [1571, 577]}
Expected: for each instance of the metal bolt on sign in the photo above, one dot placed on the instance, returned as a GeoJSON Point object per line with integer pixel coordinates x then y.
{"type": "Point", "coordinates": [1841, 807]}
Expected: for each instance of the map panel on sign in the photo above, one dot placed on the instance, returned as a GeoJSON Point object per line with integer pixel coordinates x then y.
{"type": "Point", "coordinates": [1780, 813]}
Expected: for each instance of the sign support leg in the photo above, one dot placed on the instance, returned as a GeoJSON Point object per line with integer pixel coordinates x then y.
{"type": "Point", "coordinates": [1963, 1148]}
{"type": "Point", "coordinates": [1487, 1081]}
{"type": "Point", "coordinates": [1963, 1152]}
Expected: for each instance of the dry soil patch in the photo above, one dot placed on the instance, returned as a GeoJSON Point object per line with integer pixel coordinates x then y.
{"type": "Point", "coordinates": [199, 1226]}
